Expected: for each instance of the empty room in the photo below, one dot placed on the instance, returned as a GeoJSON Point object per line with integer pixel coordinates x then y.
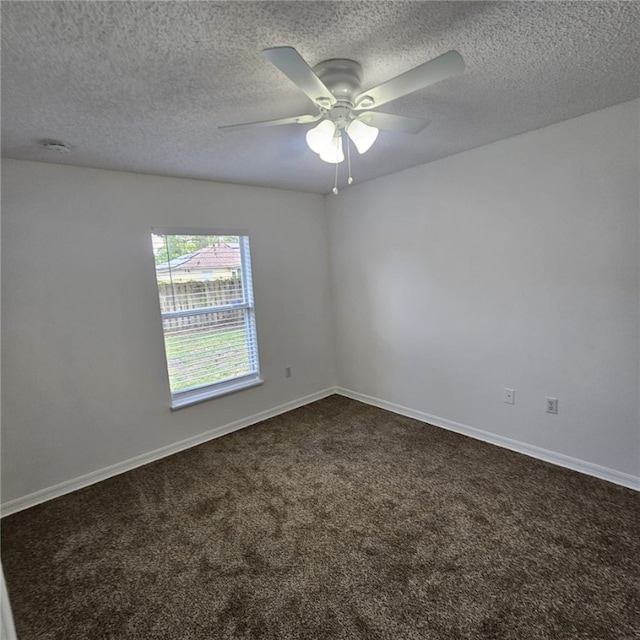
{"type": "Point", "coordinates": [320, 320]}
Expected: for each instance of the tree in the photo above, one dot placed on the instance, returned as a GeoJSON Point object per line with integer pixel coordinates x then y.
{"type": "Point", "coordinates": [168, 247]}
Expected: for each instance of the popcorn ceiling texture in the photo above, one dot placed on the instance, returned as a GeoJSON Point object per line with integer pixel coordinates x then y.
{"type": "Point", "coordinates": [143, 86]}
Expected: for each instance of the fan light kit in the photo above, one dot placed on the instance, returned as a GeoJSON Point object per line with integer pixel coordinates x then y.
{"type": "Point", "coordinates": [344, 111]}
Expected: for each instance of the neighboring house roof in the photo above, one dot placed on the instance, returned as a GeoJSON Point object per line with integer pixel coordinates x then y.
{"type": "Point", "coordinates": [216, 257]}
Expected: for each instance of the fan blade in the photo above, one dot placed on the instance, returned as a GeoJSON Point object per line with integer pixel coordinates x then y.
{"type": "Point", "coordinates": [392, 122]}
{"type": "Point", "coordinates": [444, 66]}
{"type": "Point", "coordinates": [270, 123]}
{"type": "Point", "coordinates": [293, 65]}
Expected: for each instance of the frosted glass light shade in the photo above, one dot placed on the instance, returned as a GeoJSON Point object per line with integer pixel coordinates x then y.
{"type": "Point", "coordinates": [320, 138]}
{"type": "Point", "coordinates": [334, 154]}
{"type": "Point", "coordinates": [362, 135]}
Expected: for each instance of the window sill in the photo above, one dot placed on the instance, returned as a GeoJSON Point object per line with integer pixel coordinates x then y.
{"type": "Point", "coordinates": [202, 395]}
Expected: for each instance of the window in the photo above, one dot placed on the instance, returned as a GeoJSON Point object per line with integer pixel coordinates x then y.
{"type": "Point", "coordinates": [206, 302]}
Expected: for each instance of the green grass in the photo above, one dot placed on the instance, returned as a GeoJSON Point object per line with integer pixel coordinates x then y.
{"type": "Point", "coordinates": [203, 358]}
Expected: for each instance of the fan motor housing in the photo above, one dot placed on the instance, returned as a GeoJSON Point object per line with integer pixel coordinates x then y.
{"type": "Point", "coordinates": [341, 76]}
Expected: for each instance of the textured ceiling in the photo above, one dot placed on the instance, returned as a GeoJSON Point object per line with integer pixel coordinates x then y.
{"type": "Point", "coordinates": [143, 86]}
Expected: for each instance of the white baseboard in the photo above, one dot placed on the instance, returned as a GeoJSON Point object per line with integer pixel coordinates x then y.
{"type": "Point", "coordinates": [13, 506]}
{"type": "Point", "coordinates": [589, 468]}
{"type": "Point", "coordinates": [575, 464]}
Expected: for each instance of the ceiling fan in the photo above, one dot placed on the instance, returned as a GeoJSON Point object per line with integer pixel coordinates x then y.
{"type": "Point", "coordinates": [334, 88]}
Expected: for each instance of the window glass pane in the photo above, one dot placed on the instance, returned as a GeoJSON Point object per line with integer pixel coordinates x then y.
{"type": "Point", "coordinates": [204, 287]}
{"type": "Point", "coordinates": [198, 294]}
{"type": "Point", "coordinates": [206, 348]}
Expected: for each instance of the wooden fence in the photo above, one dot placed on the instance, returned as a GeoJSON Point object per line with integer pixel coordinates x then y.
{"type": "Point", "coordinates": [182, 296]}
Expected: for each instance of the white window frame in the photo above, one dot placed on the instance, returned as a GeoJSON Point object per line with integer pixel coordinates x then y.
{"type": "Point", "coordinates": [188, 397]}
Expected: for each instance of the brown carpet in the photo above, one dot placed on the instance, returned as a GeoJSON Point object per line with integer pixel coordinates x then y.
{"type": "Point", "coordinates": [336, 520]}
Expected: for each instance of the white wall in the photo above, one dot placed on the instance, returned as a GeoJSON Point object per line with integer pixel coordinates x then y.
{"type": "Point", "coordinates": [83, 373]}
{"type": "Point", "coordinates": [511, 265]}
{"type": "Point", "coordinates": [515, 264]}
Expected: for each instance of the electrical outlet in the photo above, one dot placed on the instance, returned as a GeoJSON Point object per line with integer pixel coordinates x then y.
{"type": "Point", "coordinates": [287, 372]}
{"type": "Point", "coordinates": [552, 405]}
{"type": "Point", "coordinates": [509, 396]}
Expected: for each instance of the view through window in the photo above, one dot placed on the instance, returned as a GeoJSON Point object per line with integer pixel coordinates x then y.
{"type": "Point", "coordinates": [206, 300]}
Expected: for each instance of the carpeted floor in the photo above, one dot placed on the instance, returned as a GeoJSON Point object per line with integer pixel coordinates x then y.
{"type": "Point", "coordinates": [336, 520]}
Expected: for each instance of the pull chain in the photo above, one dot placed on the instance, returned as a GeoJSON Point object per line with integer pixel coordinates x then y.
{"type": "Point", "coordinates": [335, 184]}
{"type": "Point", "coordinates": [349, 179]}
